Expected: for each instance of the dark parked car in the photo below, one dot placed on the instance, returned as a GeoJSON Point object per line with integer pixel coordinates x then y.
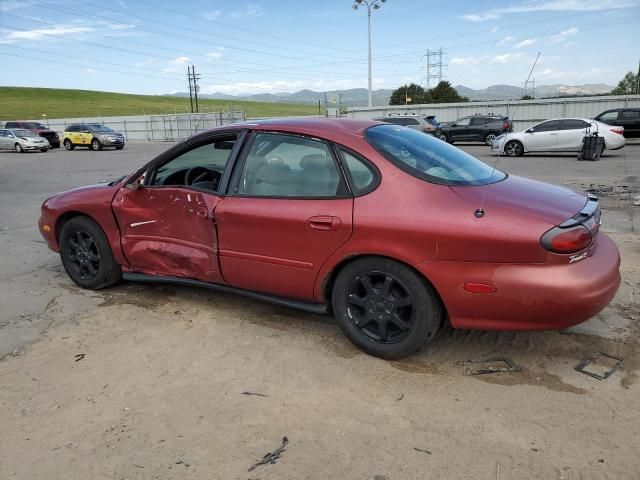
{"type": "Point", "coordinates": [629, 118]}
{"type": "Point", "coordinates": [476, 128]}
{"type": "Point", "coordinates": [37, 128]}
{"type": "Point", "coordinates": [370, 221]}
{"type": "Point", "coordinates": [427, 124]}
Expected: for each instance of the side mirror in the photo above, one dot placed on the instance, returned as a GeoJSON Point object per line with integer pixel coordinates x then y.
{"type": "Point", "coordinates": [453, 125]}
{"type": "Point", "coordinates": [530, 130]}
{"type": "Point", "coordinates": [136, 184]}
{"type": "Point", "coordinates": [11, 135]}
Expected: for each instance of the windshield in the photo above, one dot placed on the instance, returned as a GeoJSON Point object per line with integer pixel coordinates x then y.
{"type": "Point", "coordinates": [23, 133]}
{"type": "Point", "coordinates": [429, 158]}
{"type": "Point", "coordinates": [100, 128]}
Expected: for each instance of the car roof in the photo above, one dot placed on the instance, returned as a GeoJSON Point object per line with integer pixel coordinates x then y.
{"type": "Point", "coordinates": [323, 127]}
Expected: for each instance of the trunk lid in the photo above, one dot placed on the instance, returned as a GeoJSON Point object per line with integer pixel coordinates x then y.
{"type": "Point", "coordinates": [551, 203]}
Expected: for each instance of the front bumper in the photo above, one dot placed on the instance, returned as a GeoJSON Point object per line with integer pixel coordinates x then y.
{"type": "Point", "coordinates": [552, 295]}
{"type": "Point", "coordinates": [112, 142]}
{"type": "Point", "coordinates": [35, 146]}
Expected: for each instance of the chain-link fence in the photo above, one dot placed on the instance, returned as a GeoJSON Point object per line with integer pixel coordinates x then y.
{"type": "Point", "coordinates": [159, 128]}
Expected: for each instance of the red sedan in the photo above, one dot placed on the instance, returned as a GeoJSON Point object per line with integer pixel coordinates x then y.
{"type": "Point", "coordinates": [391, 230]}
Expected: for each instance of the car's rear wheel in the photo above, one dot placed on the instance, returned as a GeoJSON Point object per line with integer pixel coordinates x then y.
{"type": "Point", "coordinates": [43, 150]}
{"type": "Point", "coordinates": [86, 254]}
{"type": "Point", "coordinates": [19, 148]}
{"type": "Point", "coordinates": [513, 149]}
{"type": "Point", "coordinates": [68, 145]}
{"type": "Point", "coordinates": [96, 145]}
{"type": "Point", "coordinates": [385, 308]}
{"type": "Point", "coordinates": [488, 138]}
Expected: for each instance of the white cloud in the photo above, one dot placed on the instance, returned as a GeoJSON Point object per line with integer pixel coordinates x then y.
{"type": "Point", "coordinates": [44, 33]}
{"type": "Point", "coordinates": [212, 15]}
{"type": "Point", "coordinates": [569, 44]}
{"type": "Point", "coordinates": [526, 43]}
{"type": "Point", "coordinates": [7, 5]}
{"type": "Point", "coordinates": [177, 65]}
{"type": "Point", "coordinates": [563, 34]}
{"type": "Point", "coordinates": [464, 61]}
{"type": "Point", "coordinates": [215, 55]}
{"type": "Point", "coordinates": [91, 71]}
{"type": "Point", "coordinates": [551, 6]}
{"type": "Point", "coordinates": [494, 29]}
{"type": "Point", "coordinates": [504, 41]}
{"type": "Point", "coordinates": [251, 10]}
{"type": "Point", "coordinates": [507, 58]}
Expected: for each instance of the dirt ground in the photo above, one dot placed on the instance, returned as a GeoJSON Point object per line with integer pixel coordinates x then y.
{"type": "Point", "coordinates": [163, 382]}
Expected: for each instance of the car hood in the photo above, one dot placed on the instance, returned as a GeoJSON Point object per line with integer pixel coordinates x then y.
{"type": "Point", "coordinates": [31, 138]}
{"type": "Point", "coordinates": [551, 203]}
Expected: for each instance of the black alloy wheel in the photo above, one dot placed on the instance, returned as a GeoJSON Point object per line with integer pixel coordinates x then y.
{"type": "Point", "coordinates": [381, 306]}
{"type": "Point", "coordinates": [384, 307]}
{"type": "Point", "coordinates": [86, 254]}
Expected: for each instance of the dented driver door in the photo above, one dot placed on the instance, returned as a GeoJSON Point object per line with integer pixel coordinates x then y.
{"type": "Point", "coordinates": [169, 231]}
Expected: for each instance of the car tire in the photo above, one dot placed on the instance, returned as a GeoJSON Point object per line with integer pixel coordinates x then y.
{"type": "Point", "coordinates": [513, 148]}
{"type": "Point", "coordinates": [385, 308]}
{"type": "Point", "coordinates": [96, 146]}
{"type": "Point", "coordinates": [43, 150]}
{"type": "Point", "coordinates": [444, 137]}
{"type": "Point", "coordinates": [19, 148]}
{"type": "Point", "coordinates": [120, 147]}
{"type": "Point", "coordinates": [488, 138]}
{"type": "Point", "coordinates": [68, 145]}
{"type": "Point", "coordinates": [86, 254]}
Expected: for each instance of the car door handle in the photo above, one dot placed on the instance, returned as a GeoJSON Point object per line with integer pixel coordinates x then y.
{"type": "Point", "coordinates": [324, 223]}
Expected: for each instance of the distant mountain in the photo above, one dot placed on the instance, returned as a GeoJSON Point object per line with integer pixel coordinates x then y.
{"type": "Point", "coordinates": [509, 92]}
{"type": "Point", "coordinates": [358, 97]}
{"type": "Point", "coordinates": [348, 98]}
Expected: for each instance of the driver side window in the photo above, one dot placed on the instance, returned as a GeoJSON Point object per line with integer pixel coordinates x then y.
{"type": "Point", "coordinates": [200, 167]}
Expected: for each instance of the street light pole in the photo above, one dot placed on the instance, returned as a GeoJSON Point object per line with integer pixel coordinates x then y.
{"type": "Point", "coordinates": [371, 5]}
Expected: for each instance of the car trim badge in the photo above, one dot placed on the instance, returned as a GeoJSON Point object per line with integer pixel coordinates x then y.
{"type": "Point", "coordinates": [578, 257]}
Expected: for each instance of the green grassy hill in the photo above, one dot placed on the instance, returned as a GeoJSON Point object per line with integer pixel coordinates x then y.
{"type": "Point", "coordinates": [21, 103]}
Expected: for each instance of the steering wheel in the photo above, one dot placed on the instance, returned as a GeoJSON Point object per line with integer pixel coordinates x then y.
{"type": "Point", "coordinates": [198, 174]}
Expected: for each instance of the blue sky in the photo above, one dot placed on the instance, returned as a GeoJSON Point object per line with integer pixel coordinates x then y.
{"type": "Point", "coordinates": [263, 46]}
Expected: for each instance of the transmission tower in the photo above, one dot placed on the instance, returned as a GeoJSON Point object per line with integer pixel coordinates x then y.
{"type": "Point", "coordinates": [434, 67]}
{"type": "Point", "coordinates": [530, 88]}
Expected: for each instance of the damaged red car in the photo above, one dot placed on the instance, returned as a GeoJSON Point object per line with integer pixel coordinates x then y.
{"type": "Point", "coordinates": [392, 231]}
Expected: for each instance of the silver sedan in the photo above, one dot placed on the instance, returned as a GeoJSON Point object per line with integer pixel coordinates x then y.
{"type": "Point", "coordinates": [22, 140]}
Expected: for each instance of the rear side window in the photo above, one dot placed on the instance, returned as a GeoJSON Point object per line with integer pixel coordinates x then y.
{"type": "Point", "coordinates": [630, 115]}
{"type": "Point", "coordinates": [280, 165]}
{"type": "Point", "coordinates": [481, 120]}
{"type": "Point", "coordinates": [363, 177]}
{"type": "Point", "coordinates": [411, 121]}
{"type": "Point", "coordinates": [428, 158]}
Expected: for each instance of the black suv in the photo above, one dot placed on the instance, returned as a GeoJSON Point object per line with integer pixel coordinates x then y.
{"type": "Point", "coordinates": [476, 128]}
{"type": "Point", "coordinates": [629, 118]}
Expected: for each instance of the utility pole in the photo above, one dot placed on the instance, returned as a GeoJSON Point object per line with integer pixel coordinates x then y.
{"type": "Point", "coordinates": [195, 86]}
{"type": "Point", "coordinates": [638, 80]}
{"type": "Point", "coordinates": [190, 87]}
{"type": "Point", "coordinates": [434, 66]}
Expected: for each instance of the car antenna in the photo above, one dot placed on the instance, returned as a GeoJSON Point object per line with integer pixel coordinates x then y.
{"type": "Point", "coordinates": [479, 213]}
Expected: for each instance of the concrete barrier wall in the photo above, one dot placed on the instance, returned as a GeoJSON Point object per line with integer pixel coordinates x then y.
{"type": "Point", "coordinates": [524, 113]}
{"type": "Point", "coordinates": [164, 128]}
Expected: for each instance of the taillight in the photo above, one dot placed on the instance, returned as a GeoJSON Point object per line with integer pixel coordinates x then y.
{"type": "Point", "coordinates": [619, 131]}
{"type": "Point", "coordinates": [506, 126]}
{"type": "Point", "coordinates": [427, 129]}
{"type": "Point", "coordinates": [566, 240]}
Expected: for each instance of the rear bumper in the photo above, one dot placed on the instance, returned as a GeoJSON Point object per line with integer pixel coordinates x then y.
{"type": "Point", "coordinates": [528, 296]}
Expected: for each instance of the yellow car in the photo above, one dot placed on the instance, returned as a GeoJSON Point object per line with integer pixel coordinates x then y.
{"type": "Point", "coordinates": [91, 135]}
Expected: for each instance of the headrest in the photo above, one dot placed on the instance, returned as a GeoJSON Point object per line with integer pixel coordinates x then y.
{"type": "Point", "coordinates": [273, 173]}
{"type": "Point", "coordinates": [314, 161]}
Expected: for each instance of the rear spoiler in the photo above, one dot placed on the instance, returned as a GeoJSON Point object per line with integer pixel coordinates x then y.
{"type": "Point", "coordinates": [591, 209]}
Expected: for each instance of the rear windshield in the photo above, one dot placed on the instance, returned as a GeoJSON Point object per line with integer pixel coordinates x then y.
{"type": "Point", "coordinates": [429, 158]}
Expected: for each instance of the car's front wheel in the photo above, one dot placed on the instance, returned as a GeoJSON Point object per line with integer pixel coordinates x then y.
{"type": "Point", "coordinates": [385, 308]}
{"type": "Point", "coordinates": [68, 145]}
{"type": "Point", "coordinates": [19, 148]}
{"type": "Point", "coordinates": [119, 147]}
{"type": "Point", "coordinates": [86, 254]}
{"type": "Point", "coordinates": [514, 149]}
{"type": "Point", "coordinates": [444, 137]}
{"type": "Point", "coordinates": [96, 145]}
